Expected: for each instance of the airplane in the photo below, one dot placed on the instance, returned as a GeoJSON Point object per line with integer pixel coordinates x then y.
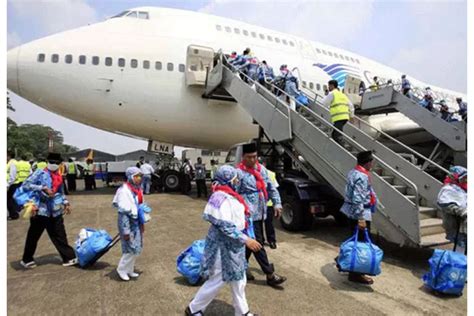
{"type": "Point", "coordinates": [136, 74]}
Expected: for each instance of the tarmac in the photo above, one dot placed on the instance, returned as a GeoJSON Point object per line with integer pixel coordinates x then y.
{"type": "Point", "coordinates": [314, 285]}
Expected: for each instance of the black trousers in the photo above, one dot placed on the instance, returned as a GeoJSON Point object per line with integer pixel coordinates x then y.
{"type": "Point", "coordinates": [13, 208]}
{"type": "Point", "coordinates": [269, 228]}
{"type": "Point", "coordinates": [56, 232]}
{"type": "Point", "coordinates": [261, 255]}
{"type": "Point", "coordinates": [186, 184]}
{"type": "Point", "coordinates": [201, 187]}
{"type": "Point", "coordinates": [65, 184]}
{"type": "Point", "coordinates": [339, 125]}
{"type": "Point", "coordinates": [71, 182]}
{"type": "Point", "coordinates": [88, 182]}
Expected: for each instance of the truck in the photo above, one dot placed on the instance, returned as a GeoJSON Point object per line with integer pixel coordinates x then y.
{"type": "Point", "coordinates": [303, 199]}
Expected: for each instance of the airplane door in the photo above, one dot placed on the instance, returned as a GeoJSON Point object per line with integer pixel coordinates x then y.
{"type": "Point", "coordinates": [306, 50]}
{"type": "Point", "coordinates": [199, 59]}
{"type": "Point", "coordinates": [351, 89]}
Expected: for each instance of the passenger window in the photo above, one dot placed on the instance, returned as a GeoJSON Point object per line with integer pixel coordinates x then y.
{"type": "Point", "coordinates": [181, 67]}
{"type": "Point", "coordinates": [336, 55]}
{"type": "Point", "coordinates": [146, 64]}
{"type": "Point", "coordinates": [261, 36]}
{"type": "Point", "coordinates": [304, 84]}
{"type": "Point", "coordinates": [68, 59]}
{"type": "Point", "coordinates": [132, 14]}
{"type": "Point", "coordinates": [41, 58]}
{"type": "Point", "coordinates": [325, 87]}
{"type": "Point", "coordinates": [236, 31]}
{"type": "Point", "coordinates": [158, 65]}
{"type": "Point", "coordinates": [108, 61]}
{"type": "Point", "coordinates": [134, 63]}
{"type": "Point", "coordinates": [277, 40]}
{"type": "Point", "coordinates": [330, 54]}
{"type": "Point", "coordinates": [284, 42]}
{"type": "Point", "coordinates": [54, 58]}
{"type": "Point", "coordinates": [292, 44]}
{"type": "Point", "coordinates": [357, 61]}
{"type": "Point", "coordinates": [270, 38]}
{"type": "Point", "coordinates": [194, 68]}
{"type": "Point", "coordinates": [82, 60]}
{"type": "Point", "coordinates": [95, 60]}
{"type": "Point", "coordinates": [170, 66]}
{"type": "Point", "coordinates": [245, 32]}
{"type": "Point", "coordinates": [347, 58]}
{"type": "Point", "coordinates": [318, 86]}
{"type": "Point", "coordinates": [228, 29]}
{"type": "Point", "coordinates": [352, 59]}
{"type": "Point", "coordinates": [121, 62]}
{"type": "Point", "coordinates": [218, 27]}
{"type": "Point", "coordinates": [253, 34]}
{"type": "Point", "coordinates": [311, 85]}
{"type": "Point", "coordinates": [143, 15]}
{"type": "Point", "coordinates": [324, 52]}
{"type": "Point", "coordinates": [318, 50]}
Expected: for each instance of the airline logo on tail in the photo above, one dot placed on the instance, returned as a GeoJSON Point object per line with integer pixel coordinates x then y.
{"type": "Point", "coordinates": [339, 72]}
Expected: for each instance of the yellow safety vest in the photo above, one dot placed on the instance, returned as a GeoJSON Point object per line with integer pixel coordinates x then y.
{"type": "Point", "coordinates": [339, 107]}
{"type": "Point", "coordinates": [23, 169]}
{"type": "Point", "coordinates": [272, 177]}
{"type": "Point", "coordinates": [72, 168]}
{"type": "Point", "coordinates": [10, 162]}
{"type": "Point", "coordinates": [41, 165]}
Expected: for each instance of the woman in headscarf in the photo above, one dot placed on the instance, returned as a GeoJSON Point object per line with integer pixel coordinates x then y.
{"type": "Point", "coordinates": [452, 199]}
{"type": "Point", "coordinates": [129, 200]}
{"type": "Point", "coordinates": [224, 253]}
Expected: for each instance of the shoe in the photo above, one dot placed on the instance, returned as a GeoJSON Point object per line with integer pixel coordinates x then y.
{"type": "Point", "coordinates": [71, 262]}
{"type": "Point", "coordinates": [250, 276]}
{"type": "Point", "coordinates": [276, 280]}
{"type": "Point", "coordinates": [250, 314]}
{"type": "Point", "coordinates": [134, 275]}
{"type": "Point", "coordinates": [360, 278]}
{"type": "Point", "coordinates": [188, 312]}
{"type": "Point", "coordinates": [28, 265]}
{"type": "Point", "coordinates": [13, 218]}
{"type": "Point", "coordinates": [122, 276]}
{"type": "Point", "coordinates": [273, 245]}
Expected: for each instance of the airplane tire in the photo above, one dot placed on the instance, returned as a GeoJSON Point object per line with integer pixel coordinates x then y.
{"type": "Point", "coordinates": [171, 181]}
{"type": "Point", "coordinates": [296, 215]}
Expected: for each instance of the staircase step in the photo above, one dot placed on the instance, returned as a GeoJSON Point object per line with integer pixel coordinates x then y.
{"type": "Point", "coordinates": [401, 188]}
{"type": "Point", "coordinates": [427, 212]}
{"type": "Point", "coordinates": [411, 198]}
{"type": "Point", "coordinates": [431, 226]}
{"type": "Point", "coordinates": [434, 240]}
{"type": "Point", "coordinates": [389, 179]}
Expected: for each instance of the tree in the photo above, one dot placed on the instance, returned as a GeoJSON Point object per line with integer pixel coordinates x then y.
{"type": "Point", "coordinates": [33, 139]}
{"type": "Point", "coordinates": [9, 104]}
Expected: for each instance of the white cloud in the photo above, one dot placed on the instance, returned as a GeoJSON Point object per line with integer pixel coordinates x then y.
{"type": "Point", "coordinates": [331, 22]}
{"type": "Point", "coordinates": [13, 40]}
{"type": "Point", "coordinates": [55, 16]}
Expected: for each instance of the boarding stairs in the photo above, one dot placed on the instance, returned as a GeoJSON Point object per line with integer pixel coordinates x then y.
{"type": "Point", "coordinates": [387, 99]}
{"type": "Point", "coordinates": [407, 213]}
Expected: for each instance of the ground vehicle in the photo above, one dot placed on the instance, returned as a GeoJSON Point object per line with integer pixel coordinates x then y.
{"type": "Point", "coordinates": [302, 199]}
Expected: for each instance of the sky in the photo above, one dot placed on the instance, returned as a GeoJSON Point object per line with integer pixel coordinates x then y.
{"type": "Point", "coordinates": [425, 39]}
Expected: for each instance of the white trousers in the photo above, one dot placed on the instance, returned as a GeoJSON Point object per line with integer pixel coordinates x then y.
{"type": "Point", "coordinates": [127, 263]}
{"type": "Point", "coordinates": [211, 288]}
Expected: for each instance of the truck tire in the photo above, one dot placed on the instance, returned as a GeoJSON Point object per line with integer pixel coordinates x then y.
{"type": "Point", "coordinates": [171, 181]}
{"type": "Point", "coordinates": [296, 215]}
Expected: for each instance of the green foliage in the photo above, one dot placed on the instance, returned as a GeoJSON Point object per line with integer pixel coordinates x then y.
{"type": "Point", "coordinates": [33, 139]}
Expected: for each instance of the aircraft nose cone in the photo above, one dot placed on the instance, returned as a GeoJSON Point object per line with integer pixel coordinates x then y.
{"type": "Point", "coordinates": [12, 70]}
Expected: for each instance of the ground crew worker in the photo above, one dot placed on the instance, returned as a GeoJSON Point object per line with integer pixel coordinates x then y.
{"type": "Point", "coordinates": [18, 174]}
{"type": "Point", "coordinates": [11, 177]}
{"type": "Point", "coordinates": [360, 202]}
{"type": "Point", "coordinates": [214, 168]}
{"type": "Point", "coordinates": [71, 175]}
{"type": "Point", "coordinates": [147, 171]}
{"type": "Point", "coordinates": [187, 172]}
{"type": "Point", "coordinates": [140, 162]}
{"type": "Point", "coordinates": [200, 169]}
{"type": "Point", "coordinates": [89, 174]}
{"type": "Point", "coordinates": [376, 85]}
{"type": "Point", "coordinates": [340, 108]}
{"type": "Point", "coordinates": [63, 170]}
{"type": "Point", "coordinates": [269, 228]}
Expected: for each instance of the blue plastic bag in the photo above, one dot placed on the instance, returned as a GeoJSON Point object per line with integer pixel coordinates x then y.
{"type": "Point", "coordinates": [302, 99]}
{"type": "Point", "coordinates": [448, 272]}
{"type": "Point", "coordinates": [188, 262]}
{"type": "Point", "coordinates": [143, 213]}
{"type": "Point", "coordinates": [360, 257]}
{"type": "Point", "coordinates": [87, 249]}
{"type": "Point", "coordinates": [23, 196]}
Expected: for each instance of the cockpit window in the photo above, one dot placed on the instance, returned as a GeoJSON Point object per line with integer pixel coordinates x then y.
{"type": "Point", "coordinates": [143, 15]}
{"type": "Point", "coordinates": [120, 14]}
{"type": "Point", "coordinates": [132, 14]}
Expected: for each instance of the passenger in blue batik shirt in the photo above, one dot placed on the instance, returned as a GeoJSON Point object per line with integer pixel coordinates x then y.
{"type": "Point", "coordinates": [130, 204]}
{"type": "Point", "coordinates": [257, 188]}
{"type": "Point", "coordinates": [224, 253]}
{"type": "Point", "coordinates": [360, 202]}
{"type": "Point", "coordinates": [50, 205]}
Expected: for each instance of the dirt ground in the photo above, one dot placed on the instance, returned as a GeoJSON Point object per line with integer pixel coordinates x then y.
{"type": "Point", "coordinates": [314, 286]}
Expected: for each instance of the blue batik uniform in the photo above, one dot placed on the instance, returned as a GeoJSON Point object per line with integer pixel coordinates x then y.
{"type": "Point", "coordinates": [47, 206]}
{"type": "Point", "coordinates": [265, 72]}
{"type": "Point", "coordinates": [357, 201]}
{"type": "Point", "coordinates": [255, 199]}
{"type": "Point", "coordinates": [225, 238]}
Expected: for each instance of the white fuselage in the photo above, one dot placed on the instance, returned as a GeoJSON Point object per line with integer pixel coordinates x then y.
{"type": "Point", "coordinates": [157, 104]}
